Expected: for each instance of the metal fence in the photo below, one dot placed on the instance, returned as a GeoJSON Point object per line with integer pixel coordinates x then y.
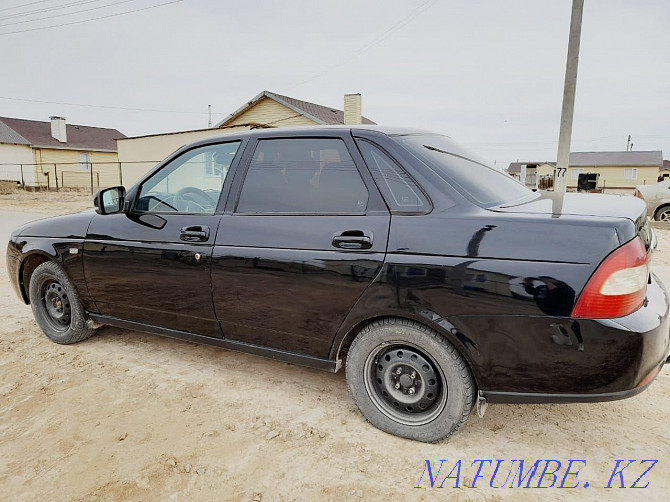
{"type": "Point", "coordinates": [71, 175]}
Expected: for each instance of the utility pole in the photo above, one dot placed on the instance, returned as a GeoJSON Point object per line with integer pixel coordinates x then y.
{"type": "Point", "coordinates": [628, 143]}
{"type": "Point", "coordinates": [209, 124]}
{"type": "Point", "coordinates": [570, 86]}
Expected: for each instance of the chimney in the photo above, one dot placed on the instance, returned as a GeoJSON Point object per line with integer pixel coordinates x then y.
{"type": "Point", "coordinates": [58, 130]}
{"type": "Point", "coordinates": [352, 109]}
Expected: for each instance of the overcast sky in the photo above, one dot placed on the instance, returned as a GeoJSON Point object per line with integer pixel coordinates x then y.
{"type": "Point", "coordinates": [487, 73]}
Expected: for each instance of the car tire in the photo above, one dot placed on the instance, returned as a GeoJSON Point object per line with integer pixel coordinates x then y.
{"type": "Point", "coordinates": [56, 306]}
{"type": "Point", "coordinates": [408, 380]}
{"type": "Point", "coordinates": [662, 214]}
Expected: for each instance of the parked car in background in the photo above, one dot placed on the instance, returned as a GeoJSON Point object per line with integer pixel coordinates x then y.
{"type": "Point", "coordinates": [657, 197]}
{"type": "Point", "coordinates": [440, 284]}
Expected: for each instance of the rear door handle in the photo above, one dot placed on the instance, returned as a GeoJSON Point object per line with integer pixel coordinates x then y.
{"type": "Point", "coordinates": [353, 239]}
{"type": "Point", "coordinates": [194, 233]}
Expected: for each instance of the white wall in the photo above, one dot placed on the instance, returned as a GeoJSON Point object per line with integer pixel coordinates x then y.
{"type": "Point", "coordinates": [11, 158]}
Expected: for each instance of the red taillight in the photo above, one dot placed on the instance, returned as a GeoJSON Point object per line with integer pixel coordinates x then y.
{"type": "Point", "coordinates": [638, 194]}
{"type": "Point", "coordinates": [618, 286]}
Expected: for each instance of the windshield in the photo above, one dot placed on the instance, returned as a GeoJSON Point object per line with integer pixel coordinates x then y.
{"type": "Point", "coordinates": [483, 185]}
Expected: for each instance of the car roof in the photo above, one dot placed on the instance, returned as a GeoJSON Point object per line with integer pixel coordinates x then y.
{"type": "Point", "coordinates": [309, 130]}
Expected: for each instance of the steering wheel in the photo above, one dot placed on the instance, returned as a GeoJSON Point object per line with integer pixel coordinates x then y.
{"type": "Point", "coordinates": [188, 194]}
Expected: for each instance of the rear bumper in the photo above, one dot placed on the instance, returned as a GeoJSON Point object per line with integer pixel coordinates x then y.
{"type": "Point", "coordinates": [538, 398]}
{"type": "Point", "coordinates": [537, 359]}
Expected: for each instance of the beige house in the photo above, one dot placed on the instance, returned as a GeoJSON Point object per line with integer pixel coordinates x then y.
{"type": "Point", "coordinates": [56, 154]}
{"type": "Point", "coordinates": [141, 153]}
{"type": "Point", "coordinates": [618, 171]}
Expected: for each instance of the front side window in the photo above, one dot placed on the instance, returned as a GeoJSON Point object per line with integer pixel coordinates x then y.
{"type": "Point", "coordinates": [191, 183]}
{"type": "Point", "coordinates": [302, 175]}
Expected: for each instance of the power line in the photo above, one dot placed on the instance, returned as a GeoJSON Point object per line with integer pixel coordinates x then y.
{"type": "Point", "coordinates": [66, 14]}
{"type": "Point", "coordinates": [49, 9]}
{"type": "Point", "coordinates": [92, 19]}
{"type": "Point", "coordinates": [108, 107]}
{"type": "Point", "coordinates": [24, 5]}
{"type": "Point", "coordinates": [376, 41]}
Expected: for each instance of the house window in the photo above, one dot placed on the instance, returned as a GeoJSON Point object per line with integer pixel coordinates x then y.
{"type": "Point", "coordinates": [630, 173]}
{"type": "Point", "coordinates": [84, 161]}
{"type": "Point", "coordinates": [575, 172]}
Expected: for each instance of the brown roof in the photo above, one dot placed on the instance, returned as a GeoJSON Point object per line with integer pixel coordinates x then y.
{"type": "Point", "coordinates": [634, 158]}
{"type": "Point", "coordinates": [38, 134]}
{"type": "Point", "coordinates": [594, 159]}
{"type": "Point", "coordinates": [329, 116]}
{"type": "Point", "coordinates": [323, 115]}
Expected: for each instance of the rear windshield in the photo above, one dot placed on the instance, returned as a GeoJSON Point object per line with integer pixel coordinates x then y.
{"type": "Point", "coordinates": [483, 185]}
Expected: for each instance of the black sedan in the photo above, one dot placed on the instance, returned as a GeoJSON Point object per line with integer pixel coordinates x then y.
{"type": "Point", "coordinates": [440, 283]}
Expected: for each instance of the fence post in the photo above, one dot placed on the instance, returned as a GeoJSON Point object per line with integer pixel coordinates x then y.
{"type": "Point", "coordinates": [90, 168]}
{"type": "Point", "coordinates": [23, 183]}
{"type": "Point", "coordinates": [120, 174]}
{"type": "Point", "coordinates": [56, 177]}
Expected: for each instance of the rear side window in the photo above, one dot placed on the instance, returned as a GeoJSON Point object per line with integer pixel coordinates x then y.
{"type": "Point", "coordinates": [302, 175]}
{"type": "Point", "coordinates": [399, 190]}
{"type": "Point", "coordinates": [483, 185]}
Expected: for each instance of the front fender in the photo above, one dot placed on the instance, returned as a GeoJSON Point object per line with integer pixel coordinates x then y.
{"type": "Point", "coordinates": [24, 254]}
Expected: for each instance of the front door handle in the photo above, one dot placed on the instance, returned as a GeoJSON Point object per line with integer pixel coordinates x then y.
{"type": "Point", "coordinates": [353, 239]}
{"type": "Point", "coordinates": [194, 233]}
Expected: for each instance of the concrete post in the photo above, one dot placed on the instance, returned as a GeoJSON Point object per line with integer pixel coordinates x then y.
{"type": "Point", "coordinates": [563, 157]}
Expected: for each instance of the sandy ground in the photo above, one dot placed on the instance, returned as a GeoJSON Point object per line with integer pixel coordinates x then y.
{"type": "Point", "coordinates": [49, 203]}
{"type": "Point", "coordinates": [128, 416]}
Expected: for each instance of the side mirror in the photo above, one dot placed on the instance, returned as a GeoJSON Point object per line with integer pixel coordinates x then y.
{"type": "Point", "coordinates": [109, 200]}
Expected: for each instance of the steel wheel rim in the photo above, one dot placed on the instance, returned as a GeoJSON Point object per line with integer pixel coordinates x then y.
{"type": "Point", "coordinates": [389, 383]}
{"type": "Point", "coordinates": [56, 305]}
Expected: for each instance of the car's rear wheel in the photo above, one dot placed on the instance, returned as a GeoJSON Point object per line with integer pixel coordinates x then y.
{"type": "Point", "coordinates": [56, 307]}
{"type": "Point", "coordinates": [408, 380]}
{"type": "Point", "coordinates": [663, 214]}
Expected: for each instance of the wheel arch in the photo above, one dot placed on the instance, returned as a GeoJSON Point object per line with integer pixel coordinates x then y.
{"type": "Point", "coordinates": [28, 266]}
{"type": "Point", "coordinates": [665, 205]}
{"type": "Point", "coordinates": [461, 342]}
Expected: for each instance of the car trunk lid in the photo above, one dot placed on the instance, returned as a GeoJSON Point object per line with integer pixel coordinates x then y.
{"type": "Point", "coordinates": [583, 204]}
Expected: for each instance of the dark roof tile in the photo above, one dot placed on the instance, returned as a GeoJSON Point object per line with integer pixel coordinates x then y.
{"type": "Point", "coordinates": [326, 114]}
{"type": "Point", "coordinates": [38, 134]}
{"type": "Point", "coordinates": [635, 158]}
{"type": "Point", "coordinates": [323, 115]}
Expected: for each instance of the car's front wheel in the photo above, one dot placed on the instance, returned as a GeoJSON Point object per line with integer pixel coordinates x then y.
{"type": "Point", "coordinates": [56, 307]}
{"type": "Point", "coordinates": [663, 214]}
{"type": "Point", "coordinates": [408, 380]}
